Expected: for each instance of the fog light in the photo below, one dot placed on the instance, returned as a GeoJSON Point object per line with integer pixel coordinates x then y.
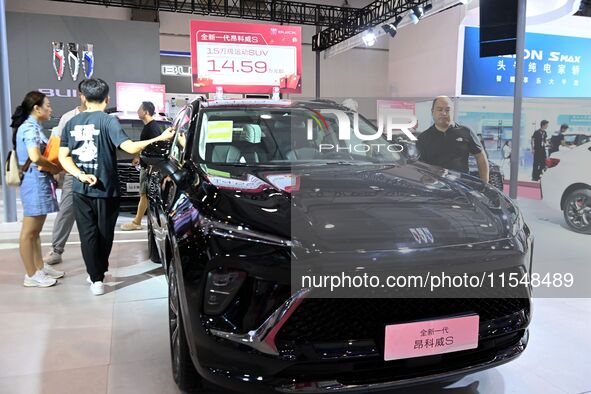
{"type": "Point", "coordinates": [221, 288]}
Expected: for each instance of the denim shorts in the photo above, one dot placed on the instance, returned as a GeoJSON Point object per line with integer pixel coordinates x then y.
{"type": "Point", "coordinates": [38, 193]}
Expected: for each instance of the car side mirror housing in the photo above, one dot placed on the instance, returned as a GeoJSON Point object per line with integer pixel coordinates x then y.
{"type": "Point", "coordinates": [156, 153]}
{"type": "Point", "coordinates": [180, 177]}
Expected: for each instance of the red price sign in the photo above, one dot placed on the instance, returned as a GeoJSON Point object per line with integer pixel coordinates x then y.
{"type": "Point", "coordinates": [245, 58]}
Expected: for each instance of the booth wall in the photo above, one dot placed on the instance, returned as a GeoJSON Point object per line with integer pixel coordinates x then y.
{"type": "Point", "coordinates": [423, 57]}
{"type": "Point", "coordinates": [360, 72]}
{"type": "Point", "coordinates": [124, 51]}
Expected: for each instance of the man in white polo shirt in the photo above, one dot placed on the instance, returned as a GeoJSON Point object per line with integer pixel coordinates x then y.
{"type": "Point", "coordinates": [65, 218]}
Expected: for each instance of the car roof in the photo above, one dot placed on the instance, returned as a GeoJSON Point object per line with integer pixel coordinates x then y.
{"type": "Point", "coordinates": [122, 116]}
{"type": "Point", "coordinates": [228, 103]}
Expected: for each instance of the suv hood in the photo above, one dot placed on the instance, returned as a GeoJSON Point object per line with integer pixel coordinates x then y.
{"type": "Point", "coordinates": [340, 207]}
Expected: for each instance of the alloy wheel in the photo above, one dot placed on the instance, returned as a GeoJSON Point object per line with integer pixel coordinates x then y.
{"type": "Point", "coordinates": [578, 212]}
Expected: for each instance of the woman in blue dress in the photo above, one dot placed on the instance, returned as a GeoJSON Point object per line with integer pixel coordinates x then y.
{"type": "Point", "coordinates": [37, 190]}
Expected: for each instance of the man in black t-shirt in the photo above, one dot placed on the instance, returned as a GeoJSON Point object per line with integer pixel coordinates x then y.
{"type": "Point", "coordinates": [447, 144]}
{"type": "Point", "coordinates": [88, 152]}
{"type": "Point", "coordinates": [151, 130]}
{"type": "Point", "coordinates": [538, 147]}
{"type": "Point", "coordinates": [557, 140]}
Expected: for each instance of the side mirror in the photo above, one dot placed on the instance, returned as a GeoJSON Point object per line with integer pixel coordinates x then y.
{"type": "Point", "coordinates": [156, 153]}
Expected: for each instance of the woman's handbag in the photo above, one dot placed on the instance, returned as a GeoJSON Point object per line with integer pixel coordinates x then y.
{"type": "Point", "coordinates": [13, 174]}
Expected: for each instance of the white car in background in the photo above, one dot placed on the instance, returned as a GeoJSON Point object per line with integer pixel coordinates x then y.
{"type": "Point", "coordinates": [566, 185]}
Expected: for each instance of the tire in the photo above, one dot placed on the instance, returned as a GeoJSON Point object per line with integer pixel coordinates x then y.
{"type": "Point", "coordinates": [152, 248]}
{"type": "Point", "coordinates": [183, 370]}
{"type": "Point", "coordinates": [577, 211]}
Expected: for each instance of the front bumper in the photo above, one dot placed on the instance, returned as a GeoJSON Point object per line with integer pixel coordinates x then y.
{"type": "Point", "coordinates": [313, 346]}
{"type": "Point", "coordinates": [502, 340]}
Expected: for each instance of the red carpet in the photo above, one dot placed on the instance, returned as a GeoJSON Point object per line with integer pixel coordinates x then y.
{"type": "Point", "coordinates": [529, 190]}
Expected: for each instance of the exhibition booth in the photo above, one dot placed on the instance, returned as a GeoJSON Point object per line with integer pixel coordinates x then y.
{"type": "Point", "coordinates": [319, 197]}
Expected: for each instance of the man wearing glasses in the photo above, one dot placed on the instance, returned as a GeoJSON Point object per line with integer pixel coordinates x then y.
{"type": "Point", "coordinates": [447, 144]}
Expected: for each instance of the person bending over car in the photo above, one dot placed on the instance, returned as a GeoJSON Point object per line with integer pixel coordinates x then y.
{"type": "Point", "coordinates": [447, 144]}
{"type": "Point", "coordinates": [89, 143]}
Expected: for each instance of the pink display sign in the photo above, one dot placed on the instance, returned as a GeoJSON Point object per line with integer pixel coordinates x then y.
{"type": "Point", "coordinates": [130, 96]}
{"type": "Point", "coordinates": [396, 104]}
{"type": "Point", "coordinates": [426, 338]}
{"type": "Point", "coordinates": [245, 57]}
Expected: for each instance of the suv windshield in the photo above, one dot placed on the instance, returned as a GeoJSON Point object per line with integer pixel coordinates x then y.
{"type": "Point", "coordinates": [287, 135]}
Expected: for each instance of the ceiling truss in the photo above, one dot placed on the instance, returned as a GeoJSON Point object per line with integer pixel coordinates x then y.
{"type": "Point", "coordinates": [340, 23]}
{"type": "Point", "coordinates": [281, 11]}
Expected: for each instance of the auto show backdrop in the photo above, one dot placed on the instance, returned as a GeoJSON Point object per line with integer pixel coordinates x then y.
{"type": "Point", "coordinates": [123, 51]}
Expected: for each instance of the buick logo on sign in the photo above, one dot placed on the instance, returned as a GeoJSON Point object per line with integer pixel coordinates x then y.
{"type": "Point", "coordinates": [74, 59]}
{"type": "Point", "coordinates": [58, 59]}
{"type": "Point", "coordinates": [422, 235]}
{"type": "Point", "coordinates": [88, 60]}
{"type": "Point", "coordinates": [172, 70]}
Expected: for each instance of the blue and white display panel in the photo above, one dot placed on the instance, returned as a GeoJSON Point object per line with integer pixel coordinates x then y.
{"type": "Point", "coordinates": [554, 66]}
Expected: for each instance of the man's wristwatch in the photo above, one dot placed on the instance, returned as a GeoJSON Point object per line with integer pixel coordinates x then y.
{"type": "Point", "coordinates": [80, 174]}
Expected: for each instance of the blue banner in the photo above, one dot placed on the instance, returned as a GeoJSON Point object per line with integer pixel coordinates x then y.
{"type": "Point", "coordinates": [575, 120]}
{"type": "Point", "coordinates": [554, 66]}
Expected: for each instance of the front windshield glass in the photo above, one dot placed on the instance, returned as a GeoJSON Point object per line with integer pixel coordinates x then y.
{"type": "Point", "coordinates": [275, 135]}
{"type": "Point", "coordinates": [570, 139]}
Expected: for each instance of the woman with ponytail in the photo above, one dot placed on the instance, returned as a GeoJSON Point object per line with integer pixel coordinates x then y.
{"type": "Point", "coordinates": [38, 187]}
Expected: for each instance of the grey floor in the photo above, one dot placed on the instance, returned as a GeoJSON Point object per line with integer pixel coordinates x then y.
{"type": "Point", "coordinates": [64, 340]}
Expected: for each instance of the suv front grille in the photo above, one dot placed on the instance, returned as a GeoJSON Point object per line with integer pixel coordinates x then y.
{"type": "Point", "coordinates": [127, 174]}
{"type": "Point", "coordinates": [335, 320]}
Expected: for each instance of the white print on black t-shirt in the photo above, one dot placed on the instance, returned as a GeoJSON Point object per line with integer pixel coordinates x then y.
{"type": "Point", "coordinates": [88, 151]}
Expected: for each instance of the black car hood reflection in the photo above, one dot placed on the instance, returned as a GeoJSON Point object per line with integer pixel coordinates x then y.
{"type": "Point", "coordinates": [359, 207]}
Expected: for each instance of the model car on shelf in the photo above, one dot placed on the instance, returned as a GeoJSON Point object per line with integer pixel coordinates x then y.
{"type": "Point", "coordinates": [246, 193]}
{"type": "Point", "coordinates": [566, 185]}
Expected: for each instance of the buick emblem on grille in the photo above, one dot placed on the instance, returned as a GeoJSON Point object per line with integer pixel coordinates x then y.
{"type": "Point", "coordinates": [422, 235]}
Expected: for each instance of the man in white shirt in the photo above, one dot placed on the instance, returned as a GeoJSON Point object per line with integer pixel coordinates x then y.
{"type": "Point", "coordinates": [65, 218]}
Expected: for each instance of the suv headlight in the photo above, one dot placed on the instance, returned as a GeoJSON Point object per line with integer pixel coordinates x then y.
{"type": "Point", "coordinates": [227, 230]}
{"type": "Point", "coordinates": [518, 222]}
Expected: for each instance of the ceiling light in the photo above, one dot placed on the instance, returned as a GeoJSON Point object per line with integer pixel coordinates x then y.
{"type": "Point", "coordinates": [369, 38]}
{"type": "Point", "coordinates": [416, 13]}
{"type": "Point", "coordinates": [392, 28]}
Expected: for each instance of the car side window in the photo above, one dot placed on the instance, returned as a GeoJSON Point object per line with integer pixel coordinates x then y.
{"type": "Point", "coordinates": [181, 123]}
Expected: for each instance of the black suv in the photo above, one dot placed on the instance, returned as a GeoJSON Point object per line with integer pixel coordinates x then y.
{"type": "Point", "coordinates": [252, 193]}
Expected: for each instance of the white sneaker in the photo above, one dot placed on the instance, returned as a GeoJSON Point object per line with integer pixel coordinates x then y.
{"type": "Point", "coordinates": [51, 272]}
{"type": "Point", "coordinates": [90, 282]}
{"type": "Point", "coordinates": [97, 288]}
{"type": "Point", "coordinates": [39, 279]}
{"type": "Point", "coordinates": [52, 258]}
